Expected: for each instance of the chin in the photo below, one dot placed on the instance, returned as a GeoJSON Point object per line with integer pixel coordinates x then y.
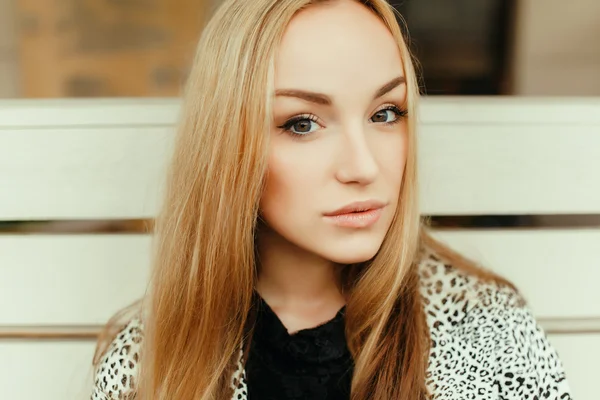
{"type": "Point", "coordinates": [353, 255]}
{"type": "Point", "coordinates": [345, 259]}
{"type": "Point", "coordinates": [350, 250]}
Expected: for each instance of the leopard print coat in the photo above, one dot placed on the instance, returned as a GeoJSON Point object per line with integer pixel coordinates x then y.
{"type": "Point", "coordinates": [485, 344]}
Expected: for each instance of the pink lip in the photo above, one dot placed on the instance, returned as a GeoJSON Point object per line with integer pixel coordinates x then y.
{"type": "Point", "coordinates": [357, 215]}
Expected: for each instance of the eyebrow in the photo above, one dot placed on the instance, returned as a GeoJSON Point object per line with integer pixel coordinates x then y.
{"type": "Point", "coordinates": [323, 99]}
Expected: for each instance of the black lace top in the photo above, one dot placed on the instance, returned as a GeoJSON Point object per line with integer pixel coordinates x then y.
{"type": "Point", "coordinates": [310, 364]}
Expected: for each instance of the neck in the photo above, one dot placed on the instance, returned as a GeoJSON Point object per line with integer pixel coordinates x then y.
{"type": "Point", "coordinates": [290, 276]}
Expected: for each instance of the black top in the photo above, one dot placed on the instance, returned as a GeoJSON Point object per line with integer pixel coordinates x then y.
{"type": "Point", "coordinates": [312, 363]}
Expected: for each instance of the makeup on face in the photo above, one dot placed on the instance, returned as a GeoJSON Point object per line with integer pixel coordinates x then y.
{"type": "Point", "coordinates": [339, 136]}
{"type": "Point", "coordinates": [356, 215]}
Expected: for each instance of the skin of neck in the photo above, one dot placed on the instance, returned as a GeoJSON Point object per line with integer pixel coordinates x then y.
{"type": "Point", "coordinates": [290, 277]}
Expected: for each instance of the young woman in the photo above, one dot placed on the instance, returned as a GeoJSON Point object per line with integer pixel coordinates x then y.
{"type": "Point", "coordinates": [290, 258]}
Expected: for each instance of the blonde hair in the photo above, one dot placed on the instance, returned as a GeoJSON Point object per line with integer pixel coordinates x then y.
{"type": "Point", "coordinates": [200, 300]}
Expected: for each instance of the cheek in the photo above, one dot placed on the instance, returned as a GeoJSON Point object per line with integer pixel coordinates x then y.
{"type": "Point", "coordinates": [291, 183]}
{"type": "Point", "coordinates": [392, 153]}
{"type": "Point", "coordinates": [301, 184]}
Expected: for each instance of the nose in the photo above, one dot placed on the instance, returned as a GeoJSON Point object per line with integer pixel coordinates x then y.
{"type": "Point", "coordinates": [357, 162]}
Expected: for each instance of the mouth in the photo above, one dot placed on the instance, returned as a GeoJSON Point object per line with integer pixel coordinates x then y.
{"type": "Point", "coordinates": [357, 207]}
{"type": "Point", "coordinates": [356, 215]}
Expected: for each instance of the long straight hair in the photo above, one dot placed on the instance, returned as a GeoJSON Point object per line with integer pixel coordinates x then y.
{"type": "Point", "coordinates": [197, 311]}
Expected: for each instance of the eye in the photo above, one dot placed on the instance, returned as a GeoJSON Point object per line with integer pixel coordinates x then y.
{"type": "Point", "coordinates": [301, 125]}
{"type": "Point", "coordinates": [304, 126]}
{"type": "Point", "coordinates": [388, 115]}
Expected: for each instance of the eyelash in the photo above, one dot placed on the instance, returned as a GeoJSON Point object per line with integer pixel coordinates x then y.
{"type": "Point", "coordinates": [400, 113]}
{"type": "Point", "coordinates": [287, 125]}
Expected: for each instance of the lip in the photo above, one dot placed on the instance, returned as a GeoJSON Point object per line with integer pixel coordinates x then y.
{"type": "Point", "coordinates": [356, 215]}
{"type": "Point", "coordinates": [358, 206]}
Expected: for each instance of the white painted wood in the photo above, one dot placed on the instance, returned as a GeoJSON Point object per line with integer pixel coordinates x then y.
{"type": "Point", "coordinates": [106, 158]}
{"type": "Point", "coordinates": [82, 173]}
{"type": "Point", "coordinates": [556, 270]}
{"type": "Point", "coordinates": [479, 169]}
{"type": "Point", "coordinates": [103, 159]}
{"type": "Point", "coordinates": [571, 325]}
{"type": "Point", "coordinates": [44, 113]}
{"type": "Point", "coordinates": [500, 155]}
{"type": "Point", "coordinates": [85, 279]}
{"type": "Point", "coordinates": [70, 279]}
{"type": "Point", "coordinates": [46, 370]}
{"type": "Point", "coordinates": [580, 355]}
{"type": "Point", "coordinates": [63, 113]}
{"type": "Point", "coordinates": [505, 110]}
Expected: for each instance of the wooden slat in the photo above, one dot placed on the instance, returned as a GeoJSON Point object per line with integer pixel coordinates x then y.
{"type": "Point", "coordinates": [510, 169]}
{"type": "Point", "coordinates": [509, 110]}
{"type": "Point", "coordinates": [84, 279]}
{"type": "Point", "coordinates": [556, 270]}
{"type": "Point", "coordinates": [472, 161]}
{"type": "Point", "coordinates": [51, 332]}
{"type": "Point", "coordinates": [70, 280]}
{"type": "Point", "coordinates": [82, 173]}
{"type": "Point", "coordinates": [437, 110]}
{"type": "Point", "coordinates": [49, 371]}
{"type": "Point", "coordinates": [580, 355]}
{"type": "Point", "coordinates": [36, 333]}
{"type": "Point", "coordinates": [570, 326]}
{"type": "Point", "coordinates": [63, 113]}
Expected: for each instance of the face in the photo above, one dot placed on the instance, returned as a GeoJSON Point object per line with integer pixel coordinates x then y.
{"type": "Point", "coordinates": [339, 134]}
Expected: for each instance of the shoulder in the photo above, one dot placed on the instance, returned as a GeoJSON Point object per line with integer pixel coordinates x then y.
{"type": "Point", "coordinates": [116, 373]}
{"type": "Point", "coordinates": [450, 293]}
{"type": "Point", "coordinates": [483, 333]}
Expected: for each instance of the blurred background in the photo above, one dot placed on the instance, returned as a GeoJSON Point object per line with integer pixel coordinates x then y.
{"type": "Point", "coordinates": [143, 48]}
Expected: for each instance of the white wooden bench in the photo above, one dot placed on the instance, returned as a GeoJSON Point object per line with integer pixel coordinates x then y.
{"type": "Point", "coordinates": [77, 170]}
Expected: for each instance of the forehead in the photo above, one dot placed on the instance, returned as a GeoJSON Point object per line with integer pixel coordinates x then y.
{"type": "Point", "coordinates": [328, 47]}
